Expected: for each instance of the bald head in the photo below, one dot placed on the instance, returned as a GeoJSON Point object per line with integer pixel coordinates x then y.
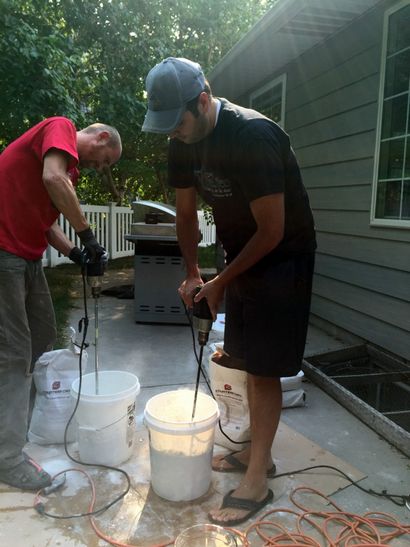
{"type": "Point", "coordinates": [99, 145]}
{"type": "Point", "coordinates": [114, 137]}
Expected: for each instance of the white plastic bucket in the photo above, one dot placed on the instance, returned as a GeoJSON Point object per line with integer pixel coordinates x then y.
{"type": "Point", "coordinates": [106, 420]}
{"type": "Point", "coordinates": [181, 449]}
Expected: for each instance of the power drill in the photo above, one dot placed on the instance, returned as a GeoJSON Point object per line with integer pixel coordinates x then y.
{"type": "Point", "coordinates": [202, 319]}
{"type": "Point", "coordinates": [94, 270]}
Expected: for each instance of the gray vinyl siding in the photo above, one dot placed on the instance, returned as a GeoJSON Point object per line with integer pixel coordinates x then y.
{"type": "Point", "coordinates": [362, 274]}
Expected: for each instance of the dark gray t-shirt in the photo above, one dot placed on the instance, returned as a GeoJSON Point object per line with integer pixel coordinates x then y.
{"type": "Point", "coordinates": [246, 156]}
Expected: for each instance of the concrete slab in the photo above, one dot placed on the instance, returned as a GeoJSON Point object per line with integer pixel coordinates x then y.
{"type": "Point", "coordinates": [161, 356]}
{"type": "Point", "coordinates": [143, 517]}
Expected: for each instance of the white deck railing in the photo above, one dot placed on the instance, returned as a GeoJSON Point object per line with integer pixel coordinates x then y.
{"type": "Point", "coordinates": [110, 224]}
{"type": "Point", "coordinates": [208, 231]}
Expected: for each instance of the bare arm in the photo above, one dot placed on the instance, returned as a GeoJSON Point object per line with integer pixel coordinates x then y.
{"type": "Point", "coordinates": [269, 214]}
{"type": "Point", "coordinates": [57, 239]}
{"type": "Point", "coordinates": [188, 237]}
{"type": "Point", "coordinates": [61, 190]}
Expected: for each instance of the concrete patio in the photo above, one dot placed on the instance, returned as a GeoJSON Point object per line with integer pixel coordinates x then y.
{"type": "Point", "coordinates": [161, 356]}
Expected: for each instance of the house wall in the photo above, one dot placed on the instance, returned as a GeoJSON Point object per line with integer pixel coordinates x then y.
{"type": "Point", "coordinates": [362, 277]}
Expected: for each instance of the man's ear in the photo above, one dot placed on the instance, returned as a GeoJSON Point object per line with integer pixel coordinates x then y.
{"type": "Point", "coordinates": [203, 102]}
{"type": "Point", "coordinates": [103, 137]}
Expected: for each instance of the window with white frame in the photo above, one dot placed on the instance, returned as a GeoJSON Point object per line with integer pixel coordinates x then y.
{"type": "Point", "coordinates": [270, 100]}
{"type": "Point", "coordinates": [391, 190]}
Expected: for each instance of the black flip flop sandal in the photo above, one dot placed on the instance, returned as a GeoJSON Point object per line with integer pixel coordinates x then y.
{"type": "Point", "coordinates": [252, 506]}
{"type": "Point", "coordinates": [239, 466]}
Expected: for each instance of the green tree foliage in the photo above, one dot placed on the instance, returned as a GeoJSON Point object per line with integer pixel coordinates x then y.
{"type": "Point", "coordinates": [88, 60]}
{"type": "Point", "coordinates": [38, 63]}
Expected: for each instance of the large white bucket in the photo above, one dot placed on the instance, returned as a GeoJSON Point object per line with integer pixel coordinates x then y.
{"type": "Point", "coordinates": [106, 421]}
{"type": "Point", "coordinates": [181, 449]}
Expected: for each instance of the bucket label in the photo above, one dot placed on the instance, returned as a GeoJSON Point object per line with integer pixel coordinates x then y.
{"type": "Point", "coordinates": [130, 424]}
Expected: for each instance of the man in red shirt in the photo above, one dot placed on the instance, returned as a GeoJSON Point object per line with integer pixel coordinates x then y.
{"type": "Point", "coordinates": [38, 175]}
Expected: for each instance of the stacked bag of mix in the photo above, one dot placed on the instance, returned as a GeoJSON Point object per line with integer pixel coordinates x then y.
{"type": "Point", "coordinates": [229, 387]}
{"type": "Point", "coordinates": [53, 375]}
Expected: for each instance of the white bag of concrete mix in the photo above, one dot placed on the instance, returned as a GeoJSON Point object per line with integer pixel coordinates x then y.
{"type": "Point", "coordinates": [290, 383]}
{"type": "Point", "coordinates": [292, 392]}
{"type": "Point", "coordinates": [229, 387]}
{"type": "Point", "coordinates": [53, 375]}
{"type": "Point", "coordinates": [293, 397]}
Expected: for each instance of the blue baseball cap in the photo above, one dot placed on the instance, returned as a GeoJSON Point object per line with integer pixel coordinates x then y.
{"type": "Point", "coordinates": [170, 85]}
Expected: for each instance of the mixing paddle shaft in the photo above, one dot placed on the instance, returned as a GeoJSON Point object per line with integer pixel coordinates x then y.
{"type": "Point", "coordinates": [201, 350]}
{"type": "Point", "coordinates": [96, 345]}
{"type": "Point", "coordinates": [94, 268]}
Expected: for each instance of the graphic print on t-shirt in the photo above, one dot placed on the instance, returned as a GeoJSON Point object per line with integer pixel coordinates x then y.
{"type": "Point", "coordinates": [213, 185]}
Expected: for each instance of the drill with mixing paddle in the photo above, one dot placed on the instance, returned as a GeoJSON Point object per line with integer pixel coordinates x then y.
{"type": "Point", "coordinates": [94, 271]}
{"type": "Point", "coordinates": [203, 323]}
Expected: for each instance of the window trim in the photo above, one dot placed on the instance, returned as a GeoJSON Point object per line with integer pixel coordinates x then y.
{"type": "Point", "coordinates": [273, 83]}
{"type": "Point", "coordinates": [390, 223]}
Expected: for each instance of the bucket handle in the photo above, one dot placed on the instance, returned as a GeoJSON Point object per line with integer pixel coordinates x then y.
{"type": "Point", "coordinates": [110, 425]}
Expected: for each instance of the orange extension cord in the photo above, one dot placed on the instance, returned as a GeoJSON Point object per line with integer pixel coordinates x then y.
{"type": "Point", "coordinates": [369, 530]}
{"type": "Point", "coordinates": [349, 530]}
{"type": "Point", "coordinates": [38, 501]}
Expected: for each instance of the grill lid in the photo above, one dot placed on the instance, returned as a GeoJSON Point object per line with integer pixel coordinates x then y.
{"type": "Point", "coordinates": [153, 212]}
{"type": "Point", "coordinates": [153, 220]}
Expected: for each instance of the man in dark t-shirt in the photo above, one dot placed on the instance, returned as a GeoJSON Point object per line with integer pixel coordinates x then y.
{"type": "Point", "coordinates": [243, 166]}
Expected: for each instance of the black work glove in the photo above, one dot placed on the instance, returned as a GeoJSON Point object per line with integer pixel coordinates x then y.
{"type": "Point", "coordinates": [76, 256]}
{"type": "Point", "coordinates": [94, 250]}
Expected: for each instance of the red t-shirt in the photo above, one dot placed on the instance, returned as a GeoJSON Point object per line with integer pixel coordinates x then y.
{"type": "Point", "coordinates": [26, 210]}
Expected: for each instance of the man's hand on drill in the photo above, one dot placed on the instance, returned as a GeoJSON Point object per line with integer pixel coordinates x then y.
{"type": "Point", "coordinates": [213, 291]}
{"type": "Point", "coordinates": [94, 249]}
{"type": "Point", "coordinates": [76, 256]}
{"type": "Point", "coordinates": [187, 289]}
